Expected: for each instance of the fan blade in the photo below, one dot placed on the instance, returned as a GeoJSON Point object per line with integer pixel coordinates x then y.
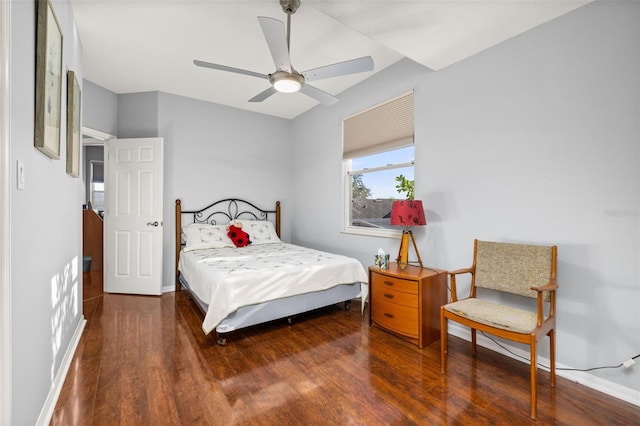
{"type": "Point", "coordinates": [318, 94]}
{"type": "Point", "coordinates": [263, 95]}
{"type": "Point", "coordinates": [276, 39]}
{"type": "Point", "coordinates": [352, 66]}
{"type": "Point", "coordinates": [230, 69]}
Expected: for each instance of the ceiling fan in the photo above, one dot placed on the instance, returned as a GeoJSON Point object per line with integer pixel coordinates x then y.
{"type": "Point", "coordinates": [285, 78]}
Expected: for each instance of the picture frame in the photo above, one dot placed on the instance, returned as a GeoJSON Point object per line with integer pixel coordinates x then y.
{"type": "Point", "coordinates": [48, 80]}
{"type": "Point", "coordinates": [74, 102]}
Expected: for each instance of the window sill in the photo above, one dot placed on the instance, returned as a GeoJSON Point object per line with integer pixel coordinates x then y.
{"type": "Point", "coordinates": [373, 232]}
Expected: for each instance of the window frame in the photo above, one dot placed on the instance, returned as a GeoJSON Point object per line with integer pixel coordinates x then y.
{"type": "Point", "coordinates": [347, 228]}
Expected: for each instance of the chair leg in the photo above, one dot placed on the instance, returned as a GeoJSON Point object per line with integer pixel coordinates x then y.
{"type": "Point", "coordinates": [444, 340]}
{"type": "Point", "coordinates": [534, 381]}
{"type": "Point", "coordinates": [474, 349]}
{"type": "Point", "coordinates": [552, 356]}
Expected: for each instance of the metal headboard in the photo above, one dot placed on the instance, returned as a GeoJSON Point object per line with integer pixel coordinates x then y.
{"type": "Point", "coordinates": [219, 213]}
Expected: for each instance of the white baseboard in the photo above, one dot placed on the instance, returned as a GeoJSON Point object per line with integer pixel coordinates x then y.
{"type": "Point", "coordinates": [58, 381]}
{"type": "Point", "coordinates": [169, 289]}
{"type": "Point", "coordinates": [584, 378]}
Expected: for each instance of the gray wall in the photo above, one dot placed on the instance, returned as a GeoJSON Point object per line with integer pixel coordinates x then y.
{"type": "Point", "coordinates": [99, 108]}
{"type": "Point", "coordinates": [138, 115]}
{"type": "Point", "coordinates": [534, 140]}
{"type": "Point", "coordinates": [211, 152]}
{"type": "Point", "coordinates": [46, 227]}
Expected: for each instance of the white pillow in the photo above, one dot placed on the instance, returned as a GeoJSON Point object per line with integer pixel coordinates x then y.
{"type": "Point", "coordinates": [203, 236]}
{"type": "Point", "coordinates": [260, 231]}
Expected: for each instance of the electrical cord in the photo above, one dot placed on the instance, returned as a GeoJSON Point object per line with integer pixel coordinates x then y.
{"type": "Point", "coordinates": [547, 367]}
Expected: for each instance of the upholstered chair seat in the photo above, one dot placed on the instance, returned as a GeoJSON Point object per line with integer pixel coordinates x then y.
{"type": "Point", "coordinates": [495, 315]}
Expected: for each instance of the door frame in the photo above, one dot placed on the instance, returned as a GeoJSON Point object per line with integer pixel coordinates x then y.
{"type": "Point", "coordinates": [92, 137]}
{"type": "Point", "coordinates": [96, 138]}
{"type": "Point", "coordinates": [5, 219]}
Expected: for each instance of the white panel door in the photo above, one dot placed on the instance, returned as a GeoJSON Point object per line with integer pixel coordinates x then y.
{"type": "Point", "coordinates": [133, 216]}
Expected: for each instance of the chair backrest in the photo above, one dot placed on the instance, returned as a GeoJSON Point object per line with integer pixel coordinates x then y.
{"type": "Point", "coordinates": [513, 268]}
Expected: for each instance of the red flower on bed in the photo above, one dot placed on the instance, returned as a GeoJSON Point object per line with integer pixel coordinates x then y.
{"type": "Point", "coordinates": [238, 236]}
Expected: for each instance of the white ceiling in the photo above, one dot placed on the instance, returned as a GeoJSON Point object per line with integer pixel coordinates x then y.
{"type": "Point", "coordinates": [149, 45]}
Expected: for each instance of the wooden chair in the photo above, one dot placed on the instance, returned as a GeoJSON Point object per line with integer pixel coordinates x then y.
{"type": "Point", "coordinates": [525, 270]}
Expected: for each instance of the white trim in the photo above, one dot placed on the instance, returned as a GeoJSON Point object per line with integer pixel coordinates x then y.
{"type": "Point", "coordinates": [381, 168]}
{"type": "Point", "coordinates": [54, 393]}
{"type": "Point", "coordinates": [5, 217]}
{"type": "Point", "coordinates": [584, 378]}
{"type": "Point", "coordinates": [372, 232]}
{"type": "Point", "coordinates": [96, 134]}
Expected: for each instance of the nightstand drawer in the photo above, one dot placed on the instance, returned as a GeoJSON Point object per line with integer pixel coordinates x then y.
{"type": "Point", "coordinates": [395, 317]}
{"type": "Point", "coordinates": [380, 281]}
{"type": "Point", "coordinates": [406, 302]}
{"type": "Point", "coordinates": [384, 293]}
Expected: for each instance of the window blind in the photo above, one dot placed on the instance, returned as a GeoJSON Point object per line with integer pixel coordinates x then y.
{"type": "Point", "coordinates": [97, 172]}
{"type": "Point", "coordinates": [386, 126]}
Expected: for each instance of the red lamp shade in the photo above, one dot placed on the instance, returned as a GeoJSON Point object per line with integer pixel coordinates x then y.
{"type": "Point", "coordinates": [408, 213]}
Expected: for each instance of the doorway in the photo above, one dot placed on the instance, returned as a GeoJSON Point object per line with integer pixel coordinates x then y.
{"type": "Point", "coordinates": [92, 214]}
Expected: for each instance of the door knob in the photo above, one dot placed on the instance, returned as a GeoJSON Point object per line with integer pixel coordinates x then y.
{"type": "Point", "coordinates": [153, 223]}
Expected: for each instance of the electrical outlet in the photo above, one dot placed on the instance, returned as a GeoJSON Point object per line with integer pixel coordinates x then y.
{"type": "Point", "coordinates": [628, 363]}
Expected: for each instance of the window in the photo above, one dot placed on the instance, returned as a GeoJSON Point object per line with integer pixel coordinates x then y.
{"type": "Point", "coordinates": [372, 181]}
{"type": "Point", "coordinates": [378, 147]}
{"type": "Point", "coordinates": [97, 185]}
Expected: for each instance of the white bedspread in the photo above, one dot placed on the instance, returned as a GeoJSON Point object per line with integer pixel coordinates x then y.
{"type": "Point", "coordinates": [229, 278]}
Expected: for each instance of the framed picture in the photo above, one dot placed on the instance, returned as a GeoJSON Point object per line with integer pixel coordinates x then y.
{"type": "Point", "coordinates": [48, 81]}
{"type": "Point", "coordinates": [74, 100]}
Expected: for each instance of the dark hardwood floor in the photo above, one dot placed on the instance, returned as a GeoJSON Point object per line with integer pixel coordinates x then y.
{"type": "Point", "coordinates": [91, 284]}
{"type": "Point", "coordinates": [145, 361]}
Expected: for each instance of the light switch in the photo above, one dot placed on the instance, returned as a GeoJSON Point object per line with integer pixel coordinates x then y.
{"type": "Point", "coordinates": [20, 177]}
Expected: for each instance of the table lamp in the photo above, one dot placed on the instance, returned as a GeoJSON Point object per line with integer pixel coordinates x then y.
{"type": "Point", "coordinates": [407, 213]}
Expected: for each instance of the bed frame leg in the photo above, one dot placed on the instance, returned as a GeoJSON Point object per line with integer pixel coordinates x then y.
{"type": "Point", "coordinates": [222, 341]}
{"type": "Point", "coordinates": [347, 305]}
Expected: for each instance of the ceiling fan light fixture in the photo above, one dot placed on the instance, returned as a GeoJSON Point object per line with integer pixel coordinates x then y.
{"type": "Point", "coordinates": [285, 82]}
{"type": "Point", "coordinates": [287, 86]}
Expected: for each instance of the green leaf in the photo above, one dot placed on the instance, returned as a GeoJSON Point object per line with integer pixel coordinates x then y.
{"type": "Point", "coordinates": [405, 185]}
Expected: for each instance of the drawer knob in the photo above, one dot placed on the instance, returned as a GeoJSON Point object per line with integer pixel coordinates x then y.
{"type": "Point", "coordinates": [388, 315]}
{"type": "Point", "coordinates": [389, 283]}
{"type": "Point", "coordinates": [388, 296]}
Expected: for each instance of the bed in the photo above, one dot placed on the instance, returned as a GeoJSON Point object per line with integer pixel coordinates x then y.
{"type": "Point", "coordinates": [238, 287]}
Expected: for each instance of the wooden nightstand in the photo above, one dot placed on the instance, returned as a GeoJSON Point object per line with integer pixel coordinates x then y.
{"type": "Point", "coordinates": [407, 302]}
